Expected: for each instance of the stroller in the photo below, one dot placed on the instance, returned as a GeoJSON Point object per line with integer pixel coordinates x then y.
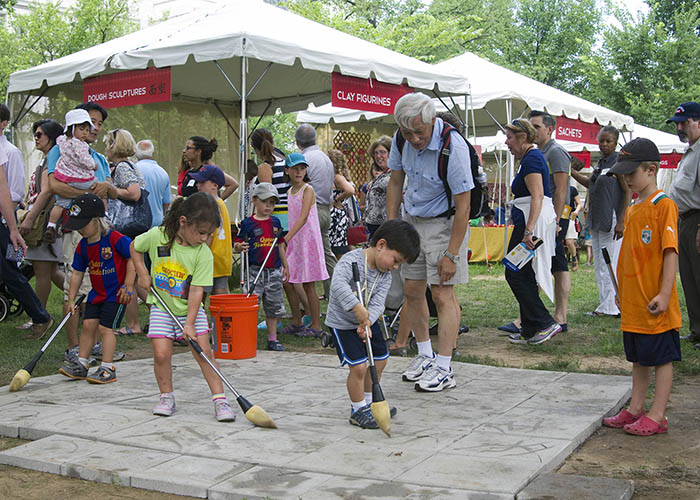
{"type": "Point", "coordinates": [9, 305]}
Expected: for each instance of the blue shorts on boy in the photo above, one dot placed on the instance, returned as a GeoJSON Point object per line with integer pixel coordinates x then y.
{"type": "Point", "coordinates": [269, 290]}
{"type": "Point", "coordinates": [652, 350]}
{"type": "Point", "coordinates": [340, 317]}
{"type": "Point", "coordinates": [351, 348]}
{"type": "Point", "coordinates": [110, 314]}
{"type": "Point", "coordinates": [161, 325]}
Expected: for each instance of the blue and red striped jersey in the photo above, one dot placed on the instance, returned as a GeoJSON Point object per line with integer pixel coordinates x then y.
{"type": "Point", "coordinates": [106, 260]}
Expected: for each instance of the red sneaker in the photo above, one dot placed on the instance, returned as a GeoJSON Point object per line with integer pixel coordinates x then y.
{"type": "Point", "coordinates": [622, 419]}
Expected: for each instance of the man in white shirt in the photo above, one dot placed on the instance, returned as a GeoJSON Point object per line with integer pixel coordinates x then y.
{"type": "Point", "coordinates": [14, 165]}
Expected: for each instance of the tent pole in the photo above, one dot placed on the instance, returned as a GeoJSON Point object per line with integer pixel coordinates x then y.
{"type": "Point", "coordinates": [243, 163]}
{"type": "Point", "coordinates": [509, 112]}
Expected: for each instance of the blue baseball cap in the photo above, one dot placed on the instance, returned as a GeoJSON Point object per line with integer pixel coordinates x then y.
{"type": "Point", "coordinates": [295, 159]}
{"type": "Point", "coordinates": [209, 173]}
{"type": "Point", "coordinates": [685, 111]}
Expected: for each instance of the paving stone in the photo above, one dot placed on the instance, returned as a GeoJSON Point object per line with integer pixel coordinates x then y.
{"type": "Point", "coordinates": [186, 475]}
{"type": "Point", "coordinates": [113, 464]}
{"type": "Point", "coordinates": [457, 471]}
{"type": "Point", "coordinates": [268, 482]}
{"type": "Point", "coordinates": [24, 414]}
{"type": "Point", "coordinates": [341, 487]}
{"type": "Point", "coordinates": [48, 454]}
{"type": "Point", "coordinates": [525, 421]}
{"type": "Point", "coordinates": [547, 452]}
{"type": "Point", "coordinates": [95, 421]}
{"type": "Point", "coordinates": [565, 487]}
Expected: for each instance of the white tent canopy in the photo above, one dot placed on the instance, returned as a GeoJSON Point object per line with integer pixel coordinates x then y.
{"type": "Point", "coordinates": [295, 54]}
{"type": "Point", "coordinates": [496, 93]}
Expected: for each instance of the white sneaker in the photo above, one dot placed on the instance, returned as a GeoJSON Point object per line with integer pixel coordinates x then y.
{"type": "Point", "coordinates": [417, 367]}
{"type": "Point", "coordinates": [436, 379]}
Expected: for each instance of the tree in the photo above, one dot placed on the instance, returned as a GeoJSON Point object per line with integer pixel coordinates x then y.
{"type": "Point", "coordinates": [647, 68]}
{"type": "Point", "coordinates": [47, 32]}
{"type": "Point", "coordinates": [552, 39]}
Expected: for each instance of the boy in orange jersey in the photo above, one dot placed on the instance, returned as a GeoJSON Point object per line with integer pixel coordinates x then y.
{"type": "Point", "coordinates": [646, 270]}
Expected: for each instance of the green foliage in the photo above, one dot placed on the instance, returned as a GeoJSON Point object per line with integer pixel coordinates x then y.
{"type": "Point", "coordinates": [48, 32]}
{"type": "Point", "coordinates": [647, 68]}
{"type": "Point", "coordinates": [551, 38]}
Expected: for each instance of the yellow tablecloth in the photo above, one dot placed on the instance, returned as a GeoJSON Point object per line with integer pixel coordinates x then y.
{"type": "Point", "coordinates": [493, 237]}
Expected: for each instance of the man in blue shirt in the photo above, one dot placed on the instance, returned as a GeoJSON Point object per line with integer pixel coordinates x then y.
{"type": "Point", "coordinates": [157, 181]}
{"type": "Point", "coordinates": [443, 233]}
{"type": "Point", "coordinates": [103, 188]}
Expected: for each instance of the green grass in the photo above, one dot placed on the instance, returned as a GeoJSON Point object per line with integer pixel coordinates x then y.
{"type": "Point", "coordinates": [486, 300]}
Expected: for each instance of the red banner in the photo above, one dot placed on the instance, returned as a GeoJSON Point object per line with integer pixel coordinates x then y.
{"type": "Point", "coordinates": [576, 130]}
{"type": "Point", "coordinates": [366, 94]}
{"type": "Point", "coordinates": [128, 88]}
{"type": "Point", "coordinates": [670, 160]}
{"type": "Point", "coordinates": [584, 156]}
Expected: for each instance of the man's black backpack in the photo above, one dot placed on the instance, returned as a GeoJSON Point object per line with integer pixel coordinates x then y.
{"type": "Point", "coordinates": [479, 193]}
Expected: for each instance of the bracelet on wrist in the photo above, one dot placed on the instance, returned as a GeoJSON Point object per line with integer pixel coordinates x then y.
{"type": "Point", "coordinates": [528, 233]}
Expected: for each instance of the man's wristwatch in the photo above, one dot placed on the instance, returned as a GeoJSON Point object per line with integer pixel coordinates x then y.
{"type": "Point", "coordinates": [452, 257]}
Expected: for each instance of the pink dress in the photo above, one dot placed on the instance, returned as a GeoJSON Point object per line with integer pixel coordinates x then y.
{"type": "Point", "coordinates": [305, 255]}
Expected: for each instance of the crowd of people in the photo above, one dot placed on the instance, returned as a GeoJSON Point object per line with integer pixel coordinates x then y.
{"type": "Point", "coordinates": [106, 227]}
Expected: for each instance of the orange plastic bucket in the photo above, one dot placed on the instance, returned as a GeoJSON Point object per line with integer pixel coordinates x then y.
{"type": "Point", "coordinates": [235, 331]}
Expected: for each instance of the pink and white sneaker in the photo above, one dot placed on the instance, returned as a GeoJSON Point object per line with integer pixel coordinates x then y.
{"type": "Point", "coordinates": [166, 406]}
{"type": "Point", "coordinates": [223, 411]}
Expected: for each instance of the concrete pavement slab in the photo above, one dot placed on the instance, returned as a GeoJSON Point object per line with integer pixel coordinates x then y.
{"type": "Point", "coordinates": [564, 487]}
{"type": "Point", "coordinates": [48, 454]}
{"type": "Point", "coordinates": [113, 464]}
{"type": "Point", "coordinates": [486, 439]}
{"type": "Point", "coordinates": [187, 475]}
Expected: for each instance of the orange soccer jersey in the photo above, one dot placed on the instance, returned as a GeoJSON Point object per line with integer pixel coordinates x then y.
{"type": "Point", "coordinates": [650, 227]}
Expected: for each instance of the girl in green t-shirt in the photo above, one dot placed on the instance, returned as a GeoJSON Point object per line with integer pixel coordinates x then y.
{"type": "Point", "coordinates": [181, 266]}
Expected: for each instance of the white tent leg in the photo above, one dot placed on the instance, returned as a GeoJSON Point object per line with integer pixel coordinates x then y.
{"type": "Point", "coordinates": [510, 163]}
{"type": "Point", "coordinates": [242, 164]}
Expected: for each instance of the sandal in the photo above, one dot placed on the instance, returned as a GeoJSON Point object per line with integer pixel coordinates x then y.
{"type": "Point", "coordinates": [645, 426]}
{"type": "Point", "coordinates": [622, 419]}
{"type": "Point", "coordinates": [126, 331]}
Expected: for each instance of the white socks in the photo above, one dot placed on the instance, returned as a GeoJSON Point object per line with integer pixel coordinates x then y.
{"type": "Point", "coordinates": [444, 362]}
{"type": "Point", "coordinates": [425, 349]}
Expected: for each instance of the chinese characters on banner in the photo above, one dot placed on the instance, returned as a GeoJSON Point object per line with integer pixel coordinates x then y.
{"type": "Point", "coordinates": [576, 130]}
{"type": "Point", "coordinates": [128, 88]}
{"type": "Point", "coordinates": [366, 94]}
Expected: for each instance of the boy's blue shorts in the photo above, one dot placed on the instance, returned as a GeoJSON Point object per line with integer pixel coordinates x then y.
{"type": "Point", "coordinates": [351, 348]}
{"type": "Point", "coordinates": [109, 313]}
{"type": "Point", "coordinates": [652, 349]}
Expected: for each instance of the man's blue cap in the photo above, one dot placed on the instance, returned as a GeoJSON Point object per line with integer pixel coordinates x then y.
{"type": "Point", "coordinates": [209, 173]}
{"type": "Point", "coordinates": [295, 159]}
{"type": "Point", "coordinates": [685, 111]}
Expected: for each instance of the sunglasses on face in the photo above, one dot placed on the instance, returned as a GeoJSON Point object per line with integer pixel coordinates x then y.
{"type": "Point", "coordinates": [38, 134]}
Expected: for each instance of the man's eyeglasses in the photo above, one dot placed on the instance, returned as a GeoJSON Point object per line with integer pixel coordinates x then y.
{"type": "Point", "coordinates": [38, 134]}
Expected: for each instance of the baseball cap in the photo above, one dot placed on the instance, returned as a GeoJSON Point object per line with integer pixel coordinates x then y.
{"type": "Point", "coordinates": [209, 173]}
{"type": "Point", "coordinates": [684, 111]}
{"type": "Point", "coordinates": [295, 159]}
{"type": "Point", "coordinates": [265, 190]}
{"type": "Point", "coordinates": [76, 117]}
{"type": "Point", "coordinates": [633, 153]}
{"type": "Point", "coordinates": [82, 210]}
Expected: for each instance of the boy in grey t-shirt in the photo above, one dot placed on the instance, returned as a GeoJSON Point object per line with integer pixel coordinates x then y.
{"type": "Point", "coordinates": [395, 242]}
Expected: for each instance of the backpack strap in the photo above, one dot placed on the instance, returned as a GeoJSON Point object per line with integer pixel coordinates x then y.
{"type": "Point", "coordinates": [443, 163]}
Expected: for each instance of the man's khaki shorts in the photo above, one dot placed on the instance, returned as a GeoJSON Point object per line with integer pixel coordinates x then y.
{"type": "Point", "coordinates": [70, 243]}
{"type": "Point", "coordinates": [434, 238]}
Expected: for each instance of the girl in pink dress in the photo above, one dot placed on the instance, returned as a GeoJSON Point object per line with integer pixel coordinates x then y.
{"type": "Point", "coordinates": [305, 256]}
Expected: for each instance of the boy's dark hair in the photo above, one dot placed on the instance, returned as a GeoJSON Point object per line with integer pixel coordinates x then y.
{"type": "Point", "coordinates": [4, 112]}
{"type": "Point", "coordinates": [199, 208]}
{"type": "Point", "coordinates": [400, 236]}
{"type": "Point", "coordinates": [89, 106]}
{"type": "Point", "coordinates": [547, 119]}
